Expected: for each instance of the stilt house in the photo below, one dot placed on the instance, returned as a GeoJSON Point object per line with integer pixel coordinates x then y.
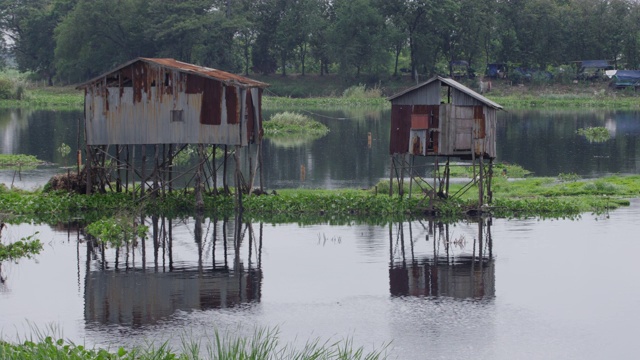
{"type": "Point", "coordinates": [442, 117]}
{"type": "Point", "coordinates": [169, 104]}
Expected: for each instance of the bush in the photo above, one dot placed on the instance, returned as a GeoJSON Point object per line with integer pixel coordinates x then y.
{"type": "Point", "coordinates": [361, 92]}
{"type": "Point", "coordinates": [6, 89]}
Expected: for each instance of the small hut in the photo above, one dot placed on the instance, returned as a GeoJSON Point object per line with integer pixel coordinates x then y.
{"type": "Point", "coordinates": [442, 118]}
{"type": "Point", "coordinates": [167, 104]}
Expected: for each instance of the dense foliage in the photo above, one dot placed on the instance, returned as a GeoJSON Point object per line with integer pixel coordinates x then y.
{"type": "Point", "coordinates": [74, 40]}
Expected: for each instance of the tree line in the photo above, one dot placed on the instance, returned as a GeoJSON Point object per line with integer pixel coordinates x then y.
{"type": "Point", "coordinates": [74, 40]}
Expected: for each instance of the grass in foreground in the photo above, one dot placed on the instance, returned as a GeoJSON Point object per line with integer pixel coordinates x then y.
{"type": "Point", "coordinates": [264, 344]}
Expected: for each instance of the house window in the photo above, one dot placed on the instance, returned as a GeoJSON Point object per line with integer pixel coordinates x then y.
{"type": "Point", "coordinates": [176, 116]}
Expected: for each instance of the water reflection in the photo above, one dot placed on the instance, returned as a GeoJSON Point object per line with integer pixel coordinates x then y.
{"type": "Point", "coordinates": [136, 286]}
{"type": "Point", "coordinates": [355, 153]}
{"type": "Point", "coordinates": [456, 266]}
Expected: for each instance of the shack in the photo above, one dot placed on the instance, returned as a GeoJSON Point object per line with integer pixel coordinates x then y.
{"type": "Point", "coordinates": [625, 79]}
{"type": "Point", "coordinates": [442, 118]}
{"type": "Point", "coordinates": [169, 105]}
{"type": "Point", "coordinates": [593, 69]}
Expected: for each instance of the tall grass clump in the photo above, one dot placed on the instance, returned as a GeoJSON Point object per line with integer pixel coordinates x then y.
{"type": "Point", "coordinates": [362, 92]}
{"type": "Point", "coordinates": [293, 123]}
{"type": "Point", "coordinates": [595, 134]}
{"type": "Point", "coordinates": [263, 345]}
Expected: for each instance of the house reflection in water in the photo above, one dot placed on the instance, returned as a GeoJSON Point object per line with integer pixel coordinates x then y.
{"type": "Point", "coordinates": [454, 265]}
{"type": "Point", "coordinates": [120, 289]}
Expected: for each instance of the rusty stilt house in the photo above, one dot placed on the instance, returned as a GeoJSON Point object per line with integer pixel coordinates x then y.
{"type": "Point", "coordinates": [443, 119]}
{"type": "Point", "coordinates": [167, 105]}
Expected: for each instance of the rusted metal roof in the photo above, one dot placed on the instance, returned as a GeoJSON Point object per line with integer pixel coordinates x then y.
{"type": "Point", "coordinates": [453, 84]}
{"type": "Point", "coordinates": [215, 74]}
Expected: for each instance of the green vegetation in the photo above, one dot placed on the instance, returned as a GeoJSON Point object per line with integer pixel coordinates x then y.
{"type": "Point", "coordinates": [25, 247]}
{"type": "Point", "coordinates": [524, 197]}
{"type": "Point", "coordinates": [263, 345]}
{"type": "Point", "coordinates": [291, 124]}
{"type": "Point", "coordinates": [118, 230]}
{"type": "Point", "coordinates": [595, 134]}
{"type": "Point", "coordinates": [18, 160]}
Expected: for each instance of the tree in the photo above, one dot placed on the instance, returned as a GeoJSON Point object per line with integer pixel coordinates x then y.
{"type": "Point", "coordinates": [98, 35]}
{"type": "Point", "coordinates": [30, 24]}
{"type": "Point", "coordinates": [359, 37]}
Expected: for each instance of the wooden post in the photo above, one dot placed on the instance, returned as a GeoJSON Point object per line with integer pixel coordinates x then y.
{"type": "Point", "coordinates": [401, 180]}
{"type": "Point", "coordinates": [237, 180]}
{"type": "Point", "coordinates": [118, 176]}
{"type": "Point", "coordinates": [143, 174]}
{"type": "Point", "coordinates": [170, 166]}
{"type": "Point", "coordinates": [411, 159]}
{"type": "Point", "coordinates": [198, 179]}
{"type": "Point", "coordinates": [133, 173]}
{"type": "Point", "coordinates": [126, 173]}
{"type": "Point", "coordinates": [391, 177]}
{"type": "Point", "coordinates": [225, 186]}
{"type": "Point", "coordinates": [260, 163]}
{"type": "Point", "coordinates": [215, 170]}
{"type": "Point", "coordinates": [489, 181]}
{"type": "Point", "coordinates": [448, 175]}
{"type": "Point", "coordinates": [481, 183]}
{"type": "Point", "coordinates": [88, 167]}
{"type": "Point", "coordinates": [156, 171]}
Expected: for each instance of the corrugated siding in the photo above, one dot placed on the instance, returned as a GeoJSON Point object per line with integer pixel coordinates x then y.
{"type": "Point", "coordinates": [465, 129]}
{"type": "Point", "coordinates": [149, 122]}
{"type": "Point", "coordinates": [147, 104]}
{"type": "Point", "coordinates": [426, 95]}
{"type": "Point", "coordinates": [460, 98]}
{"type": "Point", "coordinates": [400, 128]}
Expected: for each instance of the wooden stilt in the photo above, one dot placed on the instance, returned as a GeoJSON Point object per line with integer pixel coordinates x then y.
{"type": "Point", "coordinates": [198, 178]}
{"type": "Point", "coordinates": [489, 181]}
{"type": "Point", "coordinates": [88, 166]}
{"type": "Point", "coordinates": [391, 177]}
{"type": "Point", "coordinates": [225, 185]}
{"type": "Point", "coordinates": [481, 183]}
{"type": "Point", "coordinates": [170, 167]}
{"type": "Point", "coordinates": [215, 170]}
{"type": "Point", "coordinates": [133, 173]}
{"type": "Point", "coordinates": [118, 173]}
{"type": "Point", "coordinates": [143, 174]}
{"type": "Point", "coordinates": [126, 172]}
{"type": "Point", "coordinates": [238, 184]}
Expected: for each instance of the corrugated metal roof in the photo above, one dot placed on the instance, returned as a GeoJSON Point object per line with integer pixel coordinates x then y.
{"type": "Point", "coordinates": [219, 75]}
{"type": "Point", "coordinates": [454, 84]}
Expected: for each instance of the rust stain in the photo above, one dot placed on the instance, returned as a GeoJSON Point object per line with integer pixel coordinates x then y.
{"type": "Point", "coordinates": [227, 78]}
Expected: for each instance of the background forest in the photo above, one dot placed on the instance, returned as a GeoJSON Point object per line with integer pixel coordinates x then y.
{"type": "Point", "coordinates": [69, 41]}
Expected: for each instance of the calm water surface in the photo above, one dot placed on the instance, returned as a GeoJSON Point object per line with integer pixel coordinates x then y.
{"type": "Point", "coordinates": [491, 289]}
{"type": "Point", "coordinates": [558, 289]}
{"type": "Point", "coordinates": [542, 141]}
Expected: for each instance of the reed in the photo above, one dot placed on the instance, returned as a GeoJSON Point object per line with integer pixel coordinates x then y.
{"type": "Point", "coordinates": [263, 345]}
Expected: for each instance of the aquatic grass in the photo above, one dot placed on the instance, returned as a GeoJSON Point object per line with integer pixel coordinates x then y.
{"type": "Point", "coordinates": [287, 124]}
{"type": "Point", "coordinates": [26, 247]}
{"type": "Point", "coordinates": [264, 344]}
{"type": "Point", "coordinates": [530, 195]}
{"type": "Point", "coordinates": [596, 134]}
{"type": "Point", "coordinates": [13, 160]}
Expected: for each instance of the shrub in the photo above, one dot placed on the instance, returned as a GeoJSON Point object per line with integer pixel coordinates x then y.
{"type": "Point", "coordinates": [6, 89]}
{"type": "Point", "coordinates": [361, 92]}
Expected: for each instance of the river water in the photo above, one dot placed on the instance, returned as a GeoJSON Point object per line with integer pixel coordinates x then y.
{"type": "Point", "coordinates": [482, 288]}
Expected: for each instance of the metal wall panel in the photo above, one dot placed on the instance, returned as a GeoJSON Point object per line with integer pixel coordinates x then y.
{"type": "Point", "coordinates": [149, 120]}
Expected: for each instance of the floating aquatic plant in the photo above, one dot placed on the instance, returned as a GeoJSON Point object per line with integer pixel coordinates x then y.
{"type": "Point", "coordinates": [595, 134]}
